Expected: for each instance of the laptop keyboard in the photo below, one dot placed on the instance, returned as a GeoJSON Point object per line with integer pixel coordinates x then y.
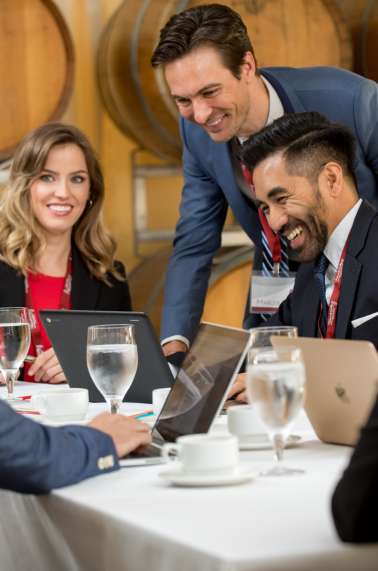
{"type": "Point", "coordinates": [148, 451]}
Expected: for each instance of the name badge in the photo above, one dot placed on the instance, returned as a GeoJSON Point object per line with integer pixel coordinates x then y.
{"type": "Point", "coordinates": [268, 292]}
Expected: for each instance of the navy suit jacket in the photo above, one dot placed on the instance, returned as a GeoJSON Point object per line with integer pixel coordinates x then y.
{"type": "Point", "coordinates": [359, 287]}
{"type": "Point", "coordinates": [87, 292]}
{"type": "Point", "coordinates": [34, 458]}
{"type": "Point", "coordinates": [210, 185]}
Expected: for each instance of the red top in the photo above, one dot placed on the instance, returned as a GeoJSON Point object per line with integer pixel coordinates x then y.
{"type": "Point", "coordinates": [45, 293]}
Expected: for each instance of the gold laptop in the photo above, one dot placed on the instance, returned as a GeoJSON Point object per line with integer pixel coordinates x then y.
{"type": "Point", "coordinates": [341, 385]}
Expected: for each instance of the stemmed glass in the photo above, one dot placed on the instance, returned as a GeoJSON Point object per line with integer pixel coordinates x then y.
{"type": "Point", "coordinates": [112, 360]}
{"type": "Point", "coordinates": [14, 344]}
{"type": "Point", "coordinates": [275, 385]}
{"type": "Point", "coordinates": [261, 336]}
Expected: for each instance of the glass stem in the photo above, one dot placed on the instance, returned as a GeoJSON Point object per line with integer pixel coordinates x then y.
{"type": "Point", "coordinates": [9, 380]}
{"type": "Point", "coordinates": [114, 406]}
{"type": "Point", "coordinates": [278, 447]}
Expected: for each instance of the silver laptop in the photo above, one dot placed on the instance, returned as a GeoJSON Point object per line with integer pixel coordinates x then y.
{"type": "Point", "coordinates": [341, 385]}
{"type": "Point", "coordinates": [199, 390]}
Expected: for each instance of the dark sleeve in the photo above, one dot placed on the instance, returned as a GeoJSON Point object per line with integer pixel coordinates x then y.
{"type": "Point", "coordinates": [203, 210]}
{"type": "Point", "coordinates": [36, 458]}
{"type": "Point", "coordinates": [284, 315]}
{"type": "Point", "coordinates": [355, 499]}
{"type": "Point", "coordinates": [125, 302]}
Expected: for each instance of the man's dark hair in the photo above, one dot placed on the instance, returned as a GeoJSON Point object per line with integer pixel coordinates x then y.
{"type": "Point", "coordinates": [211, 24]}
{"type": "Point", "coordinates": [308, 141]}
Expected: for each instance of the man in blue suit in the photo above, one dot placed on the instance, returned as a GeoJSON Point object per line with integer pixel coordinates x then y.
{"type": "Point", "coordinates": [34, 458]}
{"type": "Point", "coordinates": [223, 99]}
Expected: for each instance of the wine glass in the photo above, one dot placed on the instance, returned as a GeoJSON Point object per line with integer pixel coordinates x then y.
{"type": "Point", "coordinates": [112, 361]}
{"type": "Point", "coordinates": [261, 336]}
{"type": "Point", "coordinates": [275, 385]}
{"type": "Point", "coordinates": [14, 344]}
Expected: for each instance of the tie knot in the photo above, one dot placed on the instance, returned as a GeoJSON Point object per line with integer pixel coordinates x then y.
{"type": "Point", "coordinates": [321, 265]}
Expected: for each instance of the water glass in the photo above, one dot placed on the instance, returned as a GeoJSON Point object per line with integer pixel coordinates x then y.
{"type": "Point", "coordinates": [14, 344]}
{"type": "Point", "coordinates": [112, 360]}
{"type": "Point", "coordinates": [275, 385]}
{"type": "Point", "coordinates": [261, 336]}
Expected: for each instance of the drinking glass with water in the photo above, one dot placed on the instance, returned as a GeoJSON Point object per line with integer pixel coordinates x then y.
{"type": "Point", "coordinates": [275, 386]}
{"type": "Point", "coordinates": [14, 344]}
{"type": "Point", "coordinates": [112, 360]}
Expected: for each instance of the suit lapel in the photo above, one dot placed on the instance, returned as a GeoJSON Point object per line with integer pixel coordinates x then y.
{"type": "Point", "coordinates": [353, 267]}
{"type": "Point", "coordinates": [288, 97]}
{"type": "Point", "coordinates": [85, 289]}
{"type": "Point", "coordinates": [351, 274]}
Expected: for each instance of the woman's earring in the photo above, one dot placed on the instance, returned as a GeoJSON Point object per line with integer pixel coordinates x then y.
{"type": "Point", "coordinates": [90, 203]}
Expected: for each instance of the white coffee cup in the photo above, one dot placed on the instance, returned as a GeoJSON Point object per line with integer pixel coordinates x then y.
{"type": "Point", "coordinates": [244, 423]}
{"type": "Point", "coordinates": [62, 405]}
{"type": "Point", "coordinates": [159, 396]}
{"type": "Point", "coordinates": [204, 453]}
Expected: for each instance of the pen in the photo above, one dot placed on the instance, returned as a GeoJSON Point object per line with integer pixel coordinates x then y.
{"type": "Point", "coordinates": [144, 414]}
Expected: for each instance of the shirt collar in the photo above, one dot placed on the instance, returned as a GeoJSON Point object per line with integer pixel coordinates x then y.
{"type": "Point", "coordinates": [276, 109]}
{"type": "Point", "coordinates": [339, 236]}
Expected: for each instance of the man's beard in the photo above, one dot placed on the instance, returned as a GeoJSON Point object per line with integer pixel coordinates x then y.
{"type": "Point", "coordinates": [315, 241]}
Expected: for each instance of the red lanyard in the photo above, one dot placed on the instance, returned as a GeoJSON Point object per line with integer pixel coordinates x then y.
{"type": "Point", "coordinates": [335, 296]}
{"type": "Point", "coordinates": [65, 303]}
{"type": "Point", "coordinates": [273, 239]}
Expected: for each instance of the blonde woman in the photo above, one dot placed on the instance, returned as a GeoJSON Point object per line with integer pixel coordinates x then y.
{"type": "Point", "coordinates": [54, 250]}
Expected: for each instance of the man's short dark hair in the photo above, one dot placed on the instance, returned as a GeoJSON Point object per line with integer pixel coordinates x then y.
{"type": "Point", "coordinates": [308, 141]}
{"type": "Point", "coordinates": [214, 25]}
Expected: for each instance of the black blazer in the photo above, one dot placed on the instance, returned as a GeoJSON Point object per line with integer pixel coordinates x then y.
{"type": "Point", "coordinates": [87, 291]}
{"type": "Point", "coordinates": [359, 287]}
{"type": "Point", "coordinates": [355, 500]}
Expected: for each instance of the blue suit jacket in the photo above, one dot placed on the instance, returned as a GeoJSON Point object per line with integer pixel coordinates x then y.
{"type": "Point", "coordinates": [210, 185]}
{"type": "Point", "coordinates": [34, 458]}
{"type": "Point", "coordinates": [359, 287]}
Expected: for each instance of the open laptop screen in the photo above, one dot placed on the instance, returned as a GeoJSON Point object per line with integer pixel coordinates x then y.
{"type": "Point", "coordinates": [202, 382]}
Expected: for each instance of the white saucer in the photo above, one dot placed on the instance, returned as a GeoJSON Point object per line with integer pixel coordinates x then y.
{"type": "Point", "coordinates": [262, 442]}
{"type": "Point", "coordinates": [177, 477]}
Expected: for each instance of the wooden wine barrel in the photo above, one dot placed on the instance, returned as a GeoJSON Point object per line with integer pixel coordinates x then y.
{"type": "Point", "coordinates": [284, 32]}
{"type": "Point", "coordinates": [227, 293]}
{"type": "Point", "coordinates": [36, 55]}
{"type": "Point", "coordinates": [362, 18]}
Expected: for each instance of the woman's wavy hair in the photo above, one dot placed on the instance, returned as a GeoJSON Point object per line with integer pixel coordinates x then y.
{"type": "Point", "coordinates": [21, 235]}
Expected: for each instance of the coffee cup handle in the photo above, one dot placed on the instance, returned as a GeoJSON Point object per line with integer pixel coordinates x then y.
{"type": "Point", "coordinates": [170, 452]}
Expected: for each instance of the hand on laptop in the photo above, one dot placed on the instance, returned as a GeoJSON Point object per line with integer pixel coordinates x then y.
{"type": "Point", "coordinates": [175, 352]}
{"type": "Point", "coordinates": [127, 433]}
{"type": "Point", "coordinates": [46, 368]}
{"type": "Point", "coordinates": [237, 392]}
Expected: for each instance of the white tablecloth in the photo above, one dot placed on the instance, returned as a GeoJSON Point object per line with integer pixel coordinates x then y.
{"type": "Point", "coordinates": [132, 520]}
